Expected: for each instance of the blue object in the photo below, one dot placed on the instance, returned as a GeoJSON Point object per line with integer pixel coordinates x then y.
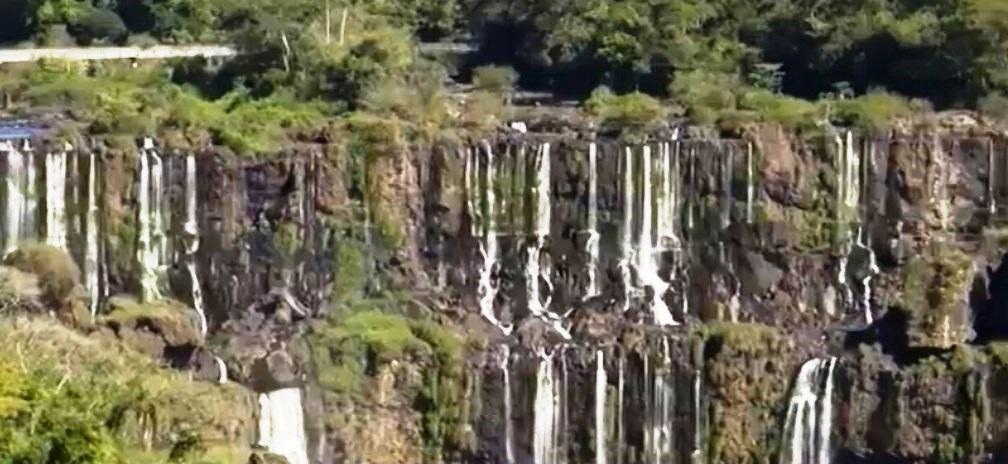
{"type": "Point", "coordinates": [17, 130]}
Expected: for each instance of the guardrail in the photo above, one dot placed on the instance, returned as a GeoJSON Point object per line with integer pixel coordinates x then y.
{"type": "Point", "coordinates": [156, 52]}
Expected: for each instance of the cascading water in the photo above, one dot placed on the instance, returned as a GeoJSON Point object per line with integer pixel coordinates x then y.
{"type": "Point", "coordinates": [658, 438]}
{"type": "Point", "coordinates": [281, 425]}
{"type": "Point", "coordinates": [809, 421]}
{"type": "Point", "coordinates": [222, 374]}
{"type": "Point", "coordinates": [600, 408]}
{"type": "Point", "coordinates": [15, 199]}
{"type": "Point", "coordinates": [626, 229]}
{"type": "Point", "coordinates": [873, 270]}
{"type": "Point", "coordinates": [750, 183]}
{"type": "Point", "coordinates": [592, 242]}
{"type": "Point", "coordinates": [191, 229]}
{"type": "Point", "coordinates": [91, 266]}
{"type": "Point", "coordinates": [539, 231]}
{"type": "Point", "coordinates": [55, 198]}
{"type": "Point", "coordinates": [483, 228]}
{"type": "Point", "coordinates": [151, 234]}
{"type": "Point", "coordinates": [647, 263]}
{"type": "Point", "coordinates": [547, 414]}
{"type": "Point", "coordinates": [505, 366]}
{"type": "Point", "coordinates": [28, 222]}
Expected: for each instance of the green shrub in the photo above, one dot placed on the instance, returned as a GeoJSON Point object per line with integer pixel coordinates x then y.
{"type": "Point", "coordinates": [99, 25]}
{"type": "Point", "coordinates": [632, 111]}
{"type": "Point", "coordinates": [56, 270]}
{"type": "Point", "coordinates": [771, 107]}
{"type": "Point", "coordinates": [995, 105]}
{"type": "Point", "coordinates": [872, 111]}
{"type": "Point", "coordinates": [496, 79]}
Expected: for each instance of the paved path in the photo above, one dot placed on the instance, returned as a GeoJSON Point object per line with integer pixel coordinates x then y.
{"type": "Point", "coordinates": [116, 53]}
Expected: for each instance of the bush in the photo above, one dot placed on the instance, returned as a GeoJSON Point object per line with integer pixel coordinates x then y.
{"type": "Point", "coordinates": [874, 110]}
{"type": "Point", "coordinates": [995, 105]}
{"type": "Point", "coordinates": [56, 270]}
{"type": "Point", "coordinates": [99, 25]}
{"type": "Point", "coordinates": [633, 111]}
{"type": "Point", "coordinates": [496, 79]}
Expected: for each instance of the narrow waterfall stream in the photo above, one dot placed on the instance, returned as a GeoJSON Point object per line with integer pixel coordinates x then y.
{"type": "Point", "coordinates": [191, 229]}
{"type": "Point", "coordinates": [484, 229]}
{"type": "Point", "coordinates": [281, 425]}
{"type": "Point", "coordinates": [539, 229]}
{"type": "Point", "coordinates": [55, 198]}
{"type": "Point", "coordinates": [92, 281]}
{"type": "Point", "coordinates": [658, 436]}
{"type": "Point", "coordinates": [600, 408]}
{"type": "Point", "coordinates": [222, 373]}
{"type": "Point", "coordinates": [592, 242]}
{"type": "Point", "coordinates": [547, 411]}
{"type": "Point", "coordinates": [151, 234]}
{"type": "Point", "coordinates": [29, 226]}
{"type": "Point", "coordinates": [809, 422]}
{"type": "Point", "coordinates": [505, 366]}
{"type": "Point", "coordinates": [14, 196]}
{"type": "Point", "coordinates": [626, 229]}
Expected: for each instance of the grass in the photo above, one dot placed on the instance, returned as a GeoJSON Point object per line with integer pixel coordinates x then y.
{"type": "Point", "coordinates": [353, 348]}
{"type": "Point", "coordinates": [633, 111]}
{"type": "Point", "coordinates": [115, 101]}
{"type": "Point", "coordinates": [108, 396]}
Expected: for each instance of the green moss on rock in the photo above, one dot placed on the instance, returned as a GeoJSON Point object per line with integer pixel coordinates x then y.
{"type": "Point", "coordinates": [747, 375]}
{"type": "Point", "coordinates": [355, 354]}
{"type": "Point", "coordinates": [933, 292]}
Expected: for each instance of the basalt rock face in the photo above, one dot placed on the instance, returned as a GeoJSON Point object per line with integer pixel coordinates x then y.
{"type": "Point", "coordinates": [632, 302]}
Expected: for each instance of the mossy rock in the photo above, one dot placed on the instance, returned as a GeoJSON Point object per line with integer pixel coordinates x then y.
{"type": "Point", "coordinates": [57, 273]}
{"type": "Point", "coordinates": [123, 400]}
{"type": "Point", "coordinates": [933, 294]}
{"type": "Point", "coordinates": [266, 458]}
{"type": "Point", "coordinates": [170, 320]}
{"type": "Point", "coordinates": [747, 374]}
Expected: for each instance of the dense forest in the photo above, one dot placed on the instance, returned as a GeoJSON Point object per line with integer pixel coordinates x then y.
{"type": "Point", "coordinates": [719, 60]}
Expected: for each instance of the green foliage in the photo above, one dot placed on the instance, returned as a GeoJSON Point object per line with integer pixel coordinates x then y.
{"type": "Point", "coordinates": [352, 348]}
{"type": "Point", "coordinates": [632, 111]}
{"type": "Point", "coordinates": [995, 105]}
{"type": "Point", "coordinates": [934, 285]}
{"type": "Point", "coordinates": [495, 79]}
{"type": "Point", "coordinates": [65, 397]}
{"type": "Point", "coordinates": [99, 25]}
{"type": "Point", "coordinates": [57, 273]}
{"type": "Point", "coordinates": [874, 110]}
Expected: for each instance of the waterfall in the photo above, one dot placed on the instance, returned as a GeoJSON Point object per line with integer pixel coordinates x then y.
{"type": "Point", "coordinates": [620, 432]}
{"type": "Point", "coordinates": [484, 230]}
{"type": "Point", "coordinates": [697, 417]}
{"type": "Point", "coordinates": [626, 229]}
{"type": "Point", "coordinates": [647, 265]}
{"type": "Point", "coordinates": [55, 207]}
{"type": "Point", "coordinates": [547, 414]}
{"type": "Point", "coordinates": [668, 201]}
{"type": "Point", "coordinates": [148, 220]}
{"type": "Point", "coordinates": [592, 243]}
{"type": "Point", "coordinates": [91, 280]}
{"type": "Point", "coordinates": [191, 229]}
{"type": "Point", "coordinates": [600, 410]}
{"type": "Point", "coordinates": [222, 374]}
{"type": "Point", "coordinates": [28, 228]}
{"type": "Point", "coordinates": [873, 270]}
{"type": "Point", "coordinates": [508, 430]}
{"type": "Point", "coordinates": [539, 230]}
{"type": "Point", "coordinates": [660, 392]}
{"type": "Point", "coordinates": [809, 422]}
{"type": "Point", "coordinates": [14, 200]}
{"type": "Point", "coordinates": [750, 187]}
{"type": "Point", "coordinates": [281, 424]}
